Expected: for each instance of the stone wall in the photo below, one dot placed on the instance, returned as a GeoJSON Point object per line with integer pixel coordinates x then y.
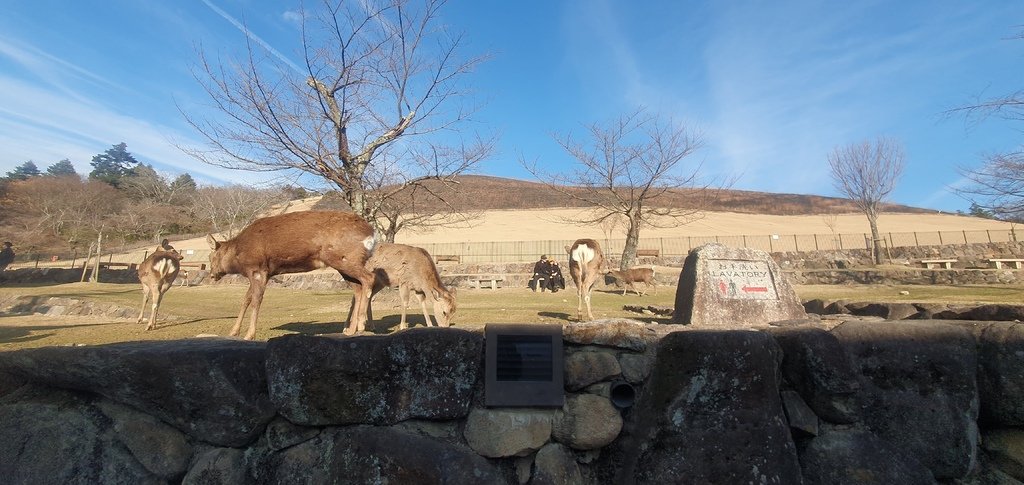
{"type": "Point", "coordinates": [863, 402]}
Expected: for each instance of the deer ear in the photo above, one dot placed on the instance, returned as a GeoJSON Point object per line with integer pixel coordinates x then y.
{"type": "Point", "coordinates": [435, 294]}
{"type": "Point", "coordinates": [214, 244]}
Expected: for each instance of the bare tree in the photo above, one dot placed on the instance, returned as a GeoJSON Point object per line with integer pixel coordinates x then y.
{"type": "Point", "coordinates": [866, 173]}
{"type": "Point", "coordinates": [374, 72]}
{"type": "Point", "coordinates": [229, 209]}
{"type": "Point", "coordinates": [625, 169]}
{"type": "Point", "coordinates": [998, 184]}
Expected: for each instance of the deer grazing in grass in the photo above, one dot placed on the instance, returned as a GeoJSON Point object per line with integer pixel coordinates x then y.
{"type": "Point", "coordinates": [635, 275]}
{"type": "Point", "coordinates": [585, 260]}
{"type": "Point", "coordinates": [157, 273]}
{"type": "Point", "coordinates": [295, 243]}
{"type": "Point", "coordinates": [412, 270]}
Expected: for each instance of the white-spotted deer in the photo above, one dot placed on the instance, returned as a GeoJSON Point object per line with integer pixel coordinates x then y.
{"type": "Point", "coordinates": [157, 273]}
{"type": "Point", "coordinates": [412, 270]}
{"type": "Point", "coordinates": [295, 243]}
{"type": "Point", "coordinates": [585, 260]}
{"type": "Point", "coordinates": [635, 275]}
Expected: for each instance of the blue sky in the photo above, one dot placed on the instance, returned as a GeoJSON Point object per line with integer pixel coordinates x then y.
{"type": "Point", "coordinates": [773, 86]}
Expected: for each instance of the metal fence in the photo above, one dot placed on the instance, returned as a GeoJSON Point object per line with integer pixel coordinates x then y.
{"type": "Point", "coordinates": [525, 251]}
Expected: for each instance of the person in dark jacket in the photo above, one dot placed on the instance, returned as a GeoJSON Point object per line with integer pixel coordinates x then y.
{"type": "Point", "coordinates": [555, 279]}
{"type": "Point", "coordinates": [6, 255]}
{"type": "Point", "coordinates": [541, 274]}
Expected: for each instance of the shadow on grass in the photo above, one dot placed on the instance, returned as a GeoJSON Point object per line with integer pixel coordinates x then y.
{"type": "Point", "coordinates": [10, 335]}
{"type": "Point", "coordinates": [555, 315]}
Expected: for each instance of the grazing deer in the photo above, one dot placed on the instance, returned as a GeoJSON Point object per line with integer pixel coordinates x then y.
{"type": "Point", "coordinates": [585, 260]}
{"type": "Point", "coordinates": [295, 243]}
{"type": "Point", "coordinates": [157, 273]}
{"type": "Point", "coordinates": [635, 275]}
{"type": "Point", "coordinates": [412, 270]}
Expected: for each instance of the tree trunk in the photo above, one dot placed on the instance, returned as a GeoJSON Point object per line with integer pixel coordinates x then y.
{"type": "Point", "coordinates": [876, 248]}
{"type": "Point", "coordinates": [632, 241]}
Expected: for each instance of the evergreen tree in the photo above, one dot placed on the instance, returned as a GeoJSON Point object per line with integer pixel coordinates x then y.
{"type": "Point", "coordinates": [979, 211]}
{"type": "Point", "coordinates": [63, 168]}
{"type": "Point", "coordinates": [184, 184]}
{"type": "Point", "coordinates": [24, 171]}
{"type": "Point", "coordinates": [113, 165]}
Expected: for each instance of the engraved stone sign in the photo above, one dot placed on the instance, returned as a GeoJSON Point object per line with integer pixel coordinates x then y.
{"type": "Point", "coordinates": [720, 285]}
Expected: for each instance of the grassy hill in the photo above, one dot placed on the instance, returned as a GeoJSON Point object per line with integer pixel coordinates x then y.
{"type": "Point", "coordinates": [483, 192]}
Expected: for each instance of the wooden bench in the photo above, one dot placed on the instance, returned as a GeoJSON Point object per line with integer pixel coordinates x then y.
{"type": "Point", "coordinates": [998, 262]}
{"type": "Point", "coordinates": [447, 257]}
{"type": "Point", "coordinates": [648, 252]}
{"type": "Point", "coordinates": [118, 265]}
{"type": "Point", "coordinates": [493, 281]}
{"type": "Point", "coordinates": [933, 263]}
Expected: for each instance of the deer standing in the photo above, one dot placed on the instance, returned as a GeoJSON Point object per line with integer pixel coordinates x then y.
{"type": "Point", "coordinates": [585, 260]}
{"type": "Point", "coordinates": [635, 275]}
{"type": "Point", "coordinates": [295, 243]}
{"type": "Point", "coordinates": [157, 273]}
{"type": "Point", "coordinates": [412, 270]}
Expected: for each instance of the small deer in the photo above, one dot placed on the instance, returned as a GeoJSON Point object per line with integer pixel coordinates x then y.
{"type": "Point", "coordinates": [585, 260]}
{"type": "Point", "coordinates": [412, 270]}
{"type": "Point", "coordinates": [635, 275]}
{"type": "Point", "coordinates": [295, 243]}
{"type": "Point", "coordinates": [157, 273]}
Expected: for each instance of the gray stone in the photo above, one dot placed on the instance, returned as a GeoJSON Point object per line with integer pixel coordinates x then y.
{"type": "Point", "coordinates": [817, 366]}
{"type": "Point", "coordinates": [163, 450]}
{"type": "Point", "coordinates": [282, 433]}
{"type": "Point", "coordinates": [709, 413]}
{"type": "Point", "coordinates": [502, 432]}
{"type": "Point", "coordinates": [55, 436]}
{"type": "Point", "coordinates": [856, 457]}
{"type": "Point", "coordinates": [919, 389]}
{"type": "Point", "coordinates": [888, 311]}
{"type": "Point", "coordinates": [720, 285]}
{"type": "Point", "coordinates": [424, 373]}
{"type": "Point", "coordinates": [802, 419]}
{"type": "Point", "coordinates": [1005, 447]}
{"type": "Point", "coordinates": [367, 454]}
{"type": "Point", "coordinates": [621, 333]}
{"type": "Point", "coordinates": [585, 368]}
{"type": "Point", "coordinates": [214, 390]}
{"type": "Point", "coordinates": [556, 465]}
{"type": "Point", "coordinates": [635, 367]}
{"type": "Point", "coordinates": [219, 466]}
{"type": "Point", "coordinates": [1000, 367]}
{"type": "Point", "coordinates": [586, 422]}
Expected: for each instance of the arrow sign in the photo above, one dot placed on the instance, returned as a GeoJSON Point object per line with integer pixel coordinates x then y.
{"type": "Point", "coordinates": [755, 289]}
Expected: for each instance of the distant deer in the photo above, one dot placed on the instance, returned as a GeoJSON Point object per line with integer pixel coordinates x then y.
{"type": "Point", "coordinates": [295, 243]}
{"type": "Point", "coordinates": [585, 260]}
{"type": "Point", "coordinates": [412, 270]}
{"type": "Point", "coordinates": [157, 273]}
{"type": "Point", "coordinates": [635, 275]}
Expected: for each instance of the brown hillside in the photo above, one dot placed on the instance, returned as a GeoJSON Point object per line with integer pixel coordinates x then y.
{"type": "Point", "coordinates": [483, 192]}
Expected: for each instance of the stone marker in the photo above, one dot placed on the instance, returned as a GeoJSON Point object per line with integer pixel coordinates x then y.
{"type": "Point", "coordinates": [720, 285]}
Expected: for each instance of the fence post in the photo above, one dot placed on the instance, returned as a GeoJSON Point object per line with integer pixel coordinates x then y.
{"type": "Point", "coordinates": [965, 236]}
{"type": "Point", "coordinates": [771, 248]}
{"type": "Point", "coordinates": [940, 237]}
{"type": "Point", "coordinates": [891, 243]}
{"type": "Point", "coordinates": [37, 261]}
{"type": "Point", "coordinates": [74, 257]}
{"type": "Point", "coordinates": [916, 244]}
{"type": "Point", "coordinates": [744, 240]}
{"type": "Point", "coordinates": [840, 241]}
{"type": "Point", "coordinates": [989, 234]}
{"type": "Point", "coordinates": [796, 244]}
{"type": "Point", "coordinates": [689, 244]}
{"type": "Point", "coordinates": [816, 243]}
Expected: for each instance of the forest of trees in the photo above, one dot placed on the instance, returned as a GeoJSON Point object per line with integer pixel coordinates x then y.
{"type": "Point", "coordinates": [59, 211]}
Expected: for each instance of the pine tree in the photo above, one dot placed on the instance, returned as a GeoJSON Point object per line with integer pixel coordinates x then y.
{"type": "Point", "coordinates": [113, 165]}
{"type": "Point", "coordinates": [24, 171]}
{"type": "Point", "coordinates": [63, 168]}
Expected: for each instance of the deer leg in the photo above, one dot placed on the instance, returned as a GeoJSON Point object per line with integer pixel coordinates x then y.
{"type": "Point", "coordinates": [246, 301]}
{"type": "Point", "coordinates": [423, 304]}
{"type": "Point", "coordinates": [145, 299]}
{"type": "Point", "coordinates": [257, 297]}
{"type": "Point", "coordinates": [362, 281]}
{"type": "Point", "coordinates": [157, 298]}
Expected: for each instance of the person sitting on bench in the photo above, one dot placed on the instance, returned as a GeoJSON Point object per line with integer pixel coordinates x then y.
{"type": "Point", "coordinates": [555, 279]}
{"type": "Point", "coordinates": [541, 274]}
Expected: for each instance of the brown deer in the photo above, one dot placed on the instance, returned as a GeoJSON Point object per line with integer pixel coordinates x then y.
{"type": "Point", "coordinates": [585, 260]}
{"type": "Point", "coordinates": [157, 273]}
{"type": "Point", "coordinates": [295, 243]}
{"type": "Point", "coordinates": [635, 275]}
{"type": "Point", "coordinates": [412, 270]}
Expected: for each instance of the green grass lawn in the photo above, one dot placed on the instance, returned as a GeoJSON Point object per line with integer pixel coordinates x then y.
{"type": "Point", "coordinates": [187, 312]}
